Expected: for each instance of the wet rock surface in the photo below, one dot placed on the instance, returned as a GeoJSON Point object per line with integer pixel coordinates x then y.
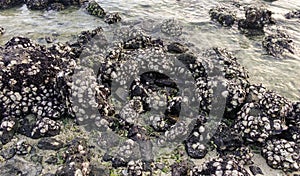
{"type": "Point", "coordinates": [223, 15]}
{"type": "Point", "coordinates": [256, 18]}
{"type": "Point", "coordinates": [293, 14]}
{"type": "Point", "coordinates": [278, 43]}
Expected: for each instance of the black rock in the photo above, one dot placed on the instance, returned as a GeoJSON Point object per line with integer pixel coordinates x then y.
{"type": "Point", "coordinates": [293, 14]}
{"type": "Point", "coordinates": [51, 160]}
{"type": "Point", "coordinates": [118, 162]}
{"type": "Point", "coordinates": [49, 144]}
{"type": "Point", "coordinates": [256, 170]}
{"type": "Point", "coordinates": [112, 18]}
{"type": "Point", "coordinates": [176, 47]}
{"type": "Point", "coordinates": [5, 4]}
{"type": "Point", "coordinates": [256, 18]}
{"type": "Point", "coordinates": [37, 4]}
{"type": "Point", "coordinates": [276, 44]}
{"type": "Point", "coordinates": [223, 15]}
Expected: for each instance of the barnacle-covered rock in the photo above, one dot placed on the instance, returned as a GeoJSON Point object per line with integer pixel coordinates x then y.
{"type": "Point", "coordinates": [37, 4]}
{"type": "Point", "coordinates": [226, 79]}
{"type": "Point", "coordinates": [56, 6]}
{"type": "Point", "coordinates": [242, 154]}
{"type": "Point", "coordinates": [264, 116]}
{"type": "Point", "coordinates": [112, 18]}
{"type": "Point", "coordinates": [276, 44]}
{"type": "Point", "coordinates": [256, 18]}
{"type": "Point", "coordinates": [95, 9]}
{"type": "Point", "coordinates": [5, 4]}
{"type": "Point", "coordinates": [171, 27]}
{"type": "Point", "coordinates": [196, 143]}
{"type": "Point", "coordinates": [282, 154]}
{"type": "Point", "coordinates": [76, 159]}
{"type": "Point", "coordinates": [220, 166]}
{"type": "Point", "coordinates": [224, 16]}
{"type": "Point", "coordinates": [293, 14]}
{"type": "Point", "coordinates": [34, 87]}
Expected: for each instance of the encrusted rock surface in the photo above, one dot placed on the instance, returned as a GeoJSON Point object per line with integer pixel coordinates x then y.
{"type": "Point", "coordinates": [223, 15]}
{"type": "Point", "coordinates": [278, 43]}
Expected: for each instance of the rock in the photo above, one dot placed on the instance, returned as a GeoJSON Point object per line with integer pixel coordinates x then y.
{"type": "Point", "coordinates": [19, 166]}
{"type": "Point", "coordinates": [223, 15]}
{"type": "Point", "coordinates": [76, 159]}
{"type": "Point", "coordinates": [2, 30]}
{"type": "Point", "coordinates": [264, 116]}
{"type": "Point", "coordinates": [8, 153]}
{"type": "Point", "coordinates": [33, 88]}
{"type": "Point", "coordinates": [5, 4]}
{"type": "Point", "coordinates": [256, 18]}
{"type": "Point", "coordinates": [195, 144]}
{"type": "Point", "coordinates": [56, 7]}
{"type": "Point", "coordinates": [226, 139]}
{"type": "Point", "coordinates": [282, 154]}
{"type": "Point", "coordinates": [181, 168]}
{"type": "Point", "coordinates": [51, 160]}
{"type": "Point", "coordinates": [36, 158]}
{"type": "Point", "coordinates": [256, 170]}
{"type": "Point", "coordinates": [37, 4]}
{"type": "Point", "coordinates": [171, 27]}
{"type": "Point", "coordinates": [95, 9]}
{"type": "Point", "coordinates": [220, 166]}
{"type": "Point", "coordinates": [49, 144]}
{"type": "Point", "coordinates": [176, 47]}
{"type": "Point", "coordinates": [293, 14]}
{"type": "Point", "coordinates": [276, 44]}
{"type": "Point", "coordinates": [112, 18]}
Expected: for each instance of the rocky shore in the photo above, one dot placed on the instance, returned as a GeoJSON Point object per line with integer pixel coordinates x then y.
{"type": "Point", "coordinates": [66, 108]}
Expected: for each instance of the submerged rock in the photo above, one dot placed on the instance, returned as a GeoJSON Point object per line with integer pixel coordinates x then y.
{"type": "Point", "coordinates": [226, 17]}
{"type": "Point", "coordinates": [53, 5]}
{"type": "Point", "coordinates": [112, 18]}
{"type": "Point", "coordinates": [293, 14]}
{"type": "Point", "coordinates": [276, 44]}
{"type": "Point", "coordinates": [256, 18]}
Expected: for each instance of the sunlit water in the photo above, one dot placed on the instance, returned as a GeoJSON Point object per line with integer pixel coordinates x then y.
{"type": "Point", "coordinates": [282, 75]}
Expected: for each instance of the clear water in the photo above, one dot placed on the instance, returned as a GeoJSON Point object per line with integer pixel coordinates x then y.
{"type": "Point", "coordinates": [282, 76]}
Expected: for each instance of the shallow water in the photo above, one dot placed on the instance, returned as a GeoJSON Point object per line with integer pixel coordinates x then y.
{"type": "Point", "coordinates": [280, 75]}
